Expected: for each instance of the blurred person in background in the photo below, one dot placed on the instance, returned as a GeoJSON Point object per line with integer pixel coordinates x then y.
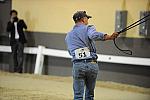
{"type": "Point", "coordinates": [17, 39]}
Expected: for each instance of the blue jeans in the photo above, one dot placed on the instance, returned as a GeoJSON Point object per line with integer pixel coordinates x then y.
{"type": "Point", "coordinates": [84, 79]}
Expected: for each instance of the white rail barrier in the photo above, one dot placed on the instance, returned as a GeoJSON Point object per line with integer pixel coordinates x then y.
{"type": "Point", "coordinates": [40, 51]}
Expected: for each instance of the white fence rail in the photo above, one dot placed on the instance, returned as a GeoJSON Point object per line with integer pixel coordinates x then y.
{"type": "Point", "coordinates": [40, 51]}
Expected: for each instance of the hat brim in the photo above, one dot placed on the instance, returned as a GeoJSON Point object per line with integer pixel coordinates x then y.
{"type": "Point", "coordinates": [89, 16]}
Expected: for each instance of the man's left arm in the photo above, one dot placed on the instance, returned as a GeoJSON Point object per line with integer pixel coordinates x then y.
{"type": "Point", "coordinates": [24, 24]}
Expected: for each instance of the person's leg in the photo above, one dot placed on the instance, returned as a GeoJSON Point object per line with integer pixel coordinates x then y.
{"type": "Point", "coordinates": [20, 56]}
{"type": "Point", "coordinates": [14, 56]}
{"type": "Point", "coordinates": [78, 80]}
{"type": "Point", "coordinates": [91, 81]}
{"type": "Point", "coordinates": [89, 92]}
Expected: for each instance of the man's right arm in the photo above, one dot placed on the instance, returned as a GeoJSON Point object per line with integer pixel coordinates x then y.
{"type": "Point", "coordinates": [9, 26]}
{"type": "Point", "coordinates": [93, 34]}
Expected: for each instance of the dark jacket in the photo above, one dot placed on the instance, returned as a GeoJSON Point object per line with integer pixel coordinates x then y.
{"type": "Point", "coordinates": [11, 28]}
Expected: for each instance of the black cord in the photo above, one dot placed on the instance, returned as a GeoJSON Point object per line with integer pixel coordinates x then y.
{"type": "Point", "coordinates": [135, 24]}
{"type": "Point", "coordinates": [126, 51]}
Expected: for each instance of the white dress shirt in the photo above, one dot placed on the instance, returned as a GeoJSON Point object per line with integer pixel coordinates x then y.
{"type": "Point", "coordinates": [16, 31]}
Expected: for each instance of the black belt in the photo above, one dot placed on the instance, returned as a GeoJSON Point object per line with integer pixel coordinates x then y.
{"type": "Point", "coordinates": [85, 60]}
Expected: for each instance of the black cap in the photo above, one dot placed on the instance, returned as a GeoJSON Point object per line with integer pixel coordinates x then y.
{"type": "Point", "coordinates": [80, 14]}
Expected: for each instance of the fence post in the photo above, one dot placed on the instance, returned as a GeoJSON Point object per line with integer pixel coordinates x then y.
{"type": "Point", "coordinates": [39, 60]}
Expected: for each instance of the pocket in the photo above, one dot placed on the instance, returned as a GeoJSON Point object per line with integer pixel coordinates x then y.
{"type": "Point", "coordinates": [94, 68]}
{"type": "Point", "coordinates": [78, 71]}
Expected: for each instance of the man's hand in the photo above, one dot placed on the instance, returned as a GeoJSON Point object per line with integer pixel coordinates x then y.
{"type": "Point", "coordinates": [111, 37]}
{"type": "Point", "coordinates": [11, 19]}
{"type": "Point", "coordinates": [114, 35]}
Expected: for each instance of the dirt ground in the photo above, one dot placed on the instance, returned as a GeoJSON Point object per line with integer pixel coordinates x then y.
{"type": "Point", "coordinates": [15, 86]}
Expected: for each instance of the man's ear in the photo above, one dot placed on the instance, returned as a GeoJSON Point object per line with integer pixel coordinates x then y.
{"type": "Point", "coordinates": [82, 20]}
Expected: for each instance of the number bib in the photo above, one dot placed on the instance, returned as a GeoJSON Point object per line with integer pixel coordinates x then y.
{"type": "Point", "coordinates": [82, 53]}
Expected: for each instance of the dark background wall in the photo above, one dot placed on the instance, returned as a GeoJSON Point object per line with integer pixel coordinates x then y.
{"type": "Point", "coordinates": [131, 74]}
{"type": "Point", "coordinates": [4, 15]}
{"type": "Point", "coordinates": [138, 75]}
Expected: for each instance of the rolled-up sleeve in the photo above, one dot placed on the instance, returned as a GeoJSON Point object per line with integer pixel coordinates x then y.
{"type": "Point", "coordinates": [93, 34]}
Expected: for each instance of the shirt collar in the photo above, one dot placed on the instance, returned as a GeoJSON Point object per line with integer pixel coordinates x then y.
{"type": "Point", "coordinates": [78, 25]}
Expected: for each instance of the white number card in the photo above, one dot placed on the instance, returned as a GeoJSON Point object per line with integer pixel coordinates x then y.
{"type": "Point", "coordinates": [82, 53]}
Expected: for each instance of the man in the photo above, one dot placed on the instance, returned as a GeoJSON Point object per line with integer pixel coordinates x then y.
{"type": "Point", "coordinates": [17, 39]}
{"type": "Point", "coordinates": [80, 43]}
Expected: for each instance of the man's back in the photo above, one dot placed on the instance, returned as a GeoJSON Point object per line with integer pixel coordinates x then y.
{"type": "Point", "coordinates": [77, 38]}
